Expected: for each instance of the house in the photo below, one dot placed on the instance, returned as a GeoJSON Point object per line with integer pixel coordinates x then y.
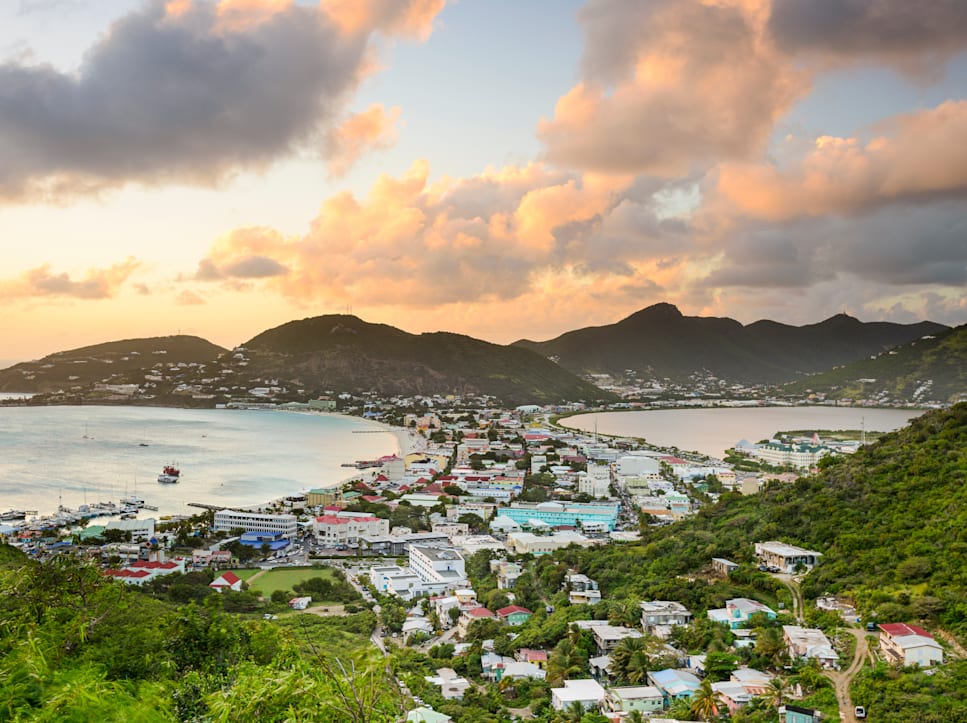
{"type": "Point", "coordinates": [452, 686]}
{"type": "Point", "coordinates": [674, 684]}
{"type": "Point", "coordinates": [427, 715]}
{"type": "Point", "coordinates": [809, 643]}
{"type": "Point", "coordinates": [514, 615]}
{"type": "Point", "coordinates": [644, 698]}
{"type": "Point", "coordinates": [904, 644]}
{"type": "Point", "coordinates": [469, 616]}
{"type": "Point", "coordinates": [585, 691]}
{"type": "Point", "coordinates": [723, 567]}
{"type": "Point", "coordinates": [518, 671]}
{"type": "Point", "coordinates": [733, 695]}
{"type": "Point", "coordinates": [582, 590]}
{"type": "Point", "coordinates": [786, 558]}
{"type": "Point", "coordinates": [226, 581]}
{"type": "Point", "coordinates": [507, 573]}
{"type": "Point", "coordinates": [737, 612]}
{"type": "Point", "coordinates": [607, 637]}
{"type": "Point", "coordinates": [529, 655]}
{"type": "Point", "coordinates": [300, 603]}
{"type": "Point", "coordinates": [754, 681]}
{"type": "Point", "coordinates": [796, 714]}
{"type": "Point", "coordinates": [658, 617]}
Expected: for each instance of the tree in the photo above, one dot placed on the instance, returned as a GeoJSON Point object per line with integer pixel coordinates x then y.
{"type": "Point", "coordinates": [564, 661]}
{"type": "Point", "coordinates": [705, 702]}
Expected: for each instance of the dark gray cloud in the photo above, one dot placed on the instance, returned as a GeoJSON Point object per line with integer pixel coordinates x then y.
{"type": "Point", "coordinates": [174, 98]}
{"type": "Point", "coordinates": [870, 27]}
{"type": "Point", "coordinates": [895, 246]}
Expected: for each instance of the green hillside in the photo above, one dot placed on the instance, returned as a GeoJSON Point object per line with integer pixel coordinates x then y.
{"type": "Point", "coordinates": [345, 353]}
{"type": "Point", "coordinates": [932, 369]}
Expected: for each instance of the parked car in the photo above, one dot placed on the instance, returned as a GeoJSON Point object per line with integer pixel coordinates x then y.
{"type": "Point", "coordinates": [859, 711]}
{"type": "Point", "coordinates": [871, 627]}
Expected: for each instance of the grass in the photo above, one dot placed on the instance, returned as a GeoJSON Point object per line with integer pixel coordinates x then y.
{"type": "Point", "coordinates": [246, 573]}
{"type": "Point", "coordinates": [285, 578]}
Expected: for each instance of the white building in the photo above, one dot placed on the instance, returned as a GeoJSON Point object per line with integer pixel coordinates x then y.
{"type": "Point", "coordinates": [228, 520]}
{"type": "Point", "coordinates": [786, 557]}
{"type": "Point", "coordinates": [396, 580]}
{"type": "Point", "coordinates": [440, 569]}
{"type": "Point", "coordinates": [342, 530]}
{"type": "Point", "coordinates": [658, 617]}
{"type": "Point", "coordinates": [597, 481]}
{"type": "Point", "coordinates": [809, 643]}
{"type": "Point", "coordinates": [586, 691]}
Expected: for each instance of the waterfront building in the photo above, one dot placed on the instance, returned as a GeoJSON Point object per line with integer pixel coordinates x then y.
{"type": "Point", "coordinates": [590, 517]}
{"type": "Point", "coordinates": [228, 520]}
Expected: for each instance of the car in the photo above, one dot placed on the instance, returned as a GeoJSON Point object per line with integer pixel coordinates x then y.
{"type": "Point", "coordinates": [859, 711]}
{"type": "Point", "coordinates": [871, 627]}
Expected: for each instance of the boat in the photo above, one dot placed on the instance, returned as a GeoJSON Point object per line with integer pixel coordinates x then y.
{"type": "Point", "coordinates": [132, 500]}
{"type": "Point", "coordinates": [169, 475]}
{"type": "Point", "coordinates": [13, 515]}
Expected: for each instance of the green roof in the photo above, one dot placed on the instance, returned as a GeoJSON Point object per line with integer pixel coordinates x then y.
{"type": "Point", "coordinates": [91, 531]}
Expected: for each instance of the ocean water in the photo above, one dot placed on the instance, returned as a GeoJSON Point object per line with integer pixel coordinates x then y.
{"type": "Point", "coordinates": [73, 455]}
{"type": "Point", "coordinates": [712, 431]}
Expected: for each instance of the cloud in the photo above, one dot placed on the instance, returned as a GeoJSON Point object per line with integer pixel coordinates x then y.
{"type": "Point", "coordinates": [187, 297]}
{"type": "Point", "coordinates": [670, 85]}
{"type": "Point", "coordinates": [488, 238]}
{"type": "Point", "coordinates": [409, 18]}
{"type": "Point", "coordinates": [920, 156]}
{"type": "Point", "coordinates": [372, 129]}
{"type": "Point", "coordinates": [41, 282]}
{"type": "Point", "coordinates": [899, 31]}
{"type": "Point", "coordinates": [187, 92]}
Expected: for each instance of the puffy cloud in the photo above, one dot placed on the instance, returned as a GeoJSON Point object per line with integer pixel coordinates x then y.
{"type": "Point", "coordinates": [41, 282]}
{"type": "Point", "coordinates": [410, 18]}
{"type": "Point", "coordinates": [374, 128]}
{"type": "Point", "coordinates": [491, 238]}
{"type": "Point", "coordinates": [893, 30]}
{"type": "Point", "coordinates": [670, 85]}
{"type": "Point", "coordinates": [185, 91]}
{"type": "Point", "coordinates": [920, 157]}
{"type": "Point", "coordinates": [187, 297]}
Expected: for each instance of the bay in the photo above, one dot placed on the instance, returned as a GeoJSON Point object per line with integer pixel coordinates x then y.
{"type": "Point", "coordinates": [713, 430]}
{"type": "Point", "coordinates": [73, 455]}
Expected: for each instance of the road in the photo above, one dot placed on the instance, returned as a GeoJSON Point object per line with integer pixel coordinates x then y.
{"type": "Point", "coordinates": [841, 679]}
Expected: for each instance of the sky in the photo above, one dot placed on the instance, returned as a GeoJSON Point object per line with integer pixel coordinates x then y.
{"type": "Point", "coordinates": [499, 168]}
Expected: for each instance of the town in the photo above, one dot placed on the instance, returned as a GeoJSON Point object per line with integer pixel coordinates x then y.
{"type": "Point", "coordinates": [450, 546]}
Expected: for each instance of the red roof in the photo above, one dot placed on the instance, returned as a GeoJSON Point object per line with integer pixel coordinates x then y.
{"type": "Point", "coordinates": [532, 655]}
{"type": "Point", "coordinates": [480, 613]}
{"type": "Point", "coordinates": [672, 460]}
{"type": "Point", "coordinates": [333, 520]}
{"type": "Point", "coordinates": [228, 579]}
{"type": "Point", "coordinates": [332, 508]}
{"type": "Point", "coordinates": [511, 609]}
{"type": "Point", "coordinates": [373, 498]}
{"type": "Point", "coordinates": [382, 478]}
{"type": "Point", "coordinates": [897, 629]}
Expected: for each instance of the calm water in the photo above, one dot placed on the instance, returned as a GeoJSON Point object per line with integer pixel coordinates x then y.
{"type": "Point", "coordinates": [235, 457]}
{"type": "Point", "coordinates": [712, 431]}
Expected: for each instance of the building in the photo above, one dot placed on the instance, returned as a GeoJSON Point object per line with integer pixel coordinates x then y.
{"type": "Point", "coordinates": [658, 617]}
{"type": "Point", "coordinates": [596, 482]}
{"type": "Point", "coordinates": [674, 684]}
{"type": "Point", "coordinates": [786, 558]}
{"type": "Point", "coordinates": [324, 496]}
{"type": "Point", "coordinates": [396, 580]}
{"type": "Point", "coordinates": [644, 698]}
{"type": "Point", "coordinates": [723, 567]}
{"type": "Point", "coordinates": [582, 590]}
{"type": "Point", "coordinates": [809, 644]}
{"type": "Point", "coordinates": [507, 573]}
{"type": "Point", "coordinates": [733, 695]}
{"type": "Point", "coordinates": [904, 644]}
{"type": "Point", "coordinates": [522, 543]}
{"type": "Point", "coordinates": [585, 691]}
{"type": "Point", "coordinates": [589, 517]}
{"type": "Point", "coordinates": [141, 571]}
{"type": "Point", "coordinates": [798, 714]}
{"type": "Point", "coordinates": [300, 603]}
{"type": "Point", "coordinates": [229, 520]}
{"type": "Point", "coordinates": [333, 530]}
{"type": "Point", "coordinates": [468, 617]}
{"type": "Point", "coordinates": [427, 715]}
{"type": "Point", "coordinates": [738, 611]}
{"type": "Point", "coordinates": [802, 456]}
{"type": "Point", "coordinates": [607, 637]}
{"type": "Point", "coordinates": [452, 686]}
{"type": "Point", "coordinates": [514, 615]}
{"type": "Point", "coordinates": [443, 567]}
{"type": "Point", "coordinates": [226, 581]}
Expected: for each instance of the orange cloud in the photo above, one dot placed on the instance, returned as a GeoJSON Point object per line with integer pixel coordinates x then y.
{"type": "Point", "coordinates": [372, 129]}
{"type": "Point", "coordinates": [921, 155]}
{"type": "Point", "coordinates": [409, 18]}
{"type": "Point", "coordinates": [40, 282]}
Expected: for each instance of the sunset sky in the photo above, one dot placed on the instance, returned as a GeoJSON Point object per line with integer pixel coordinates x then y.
{"type": "Point", "coordinates": [501, 168]}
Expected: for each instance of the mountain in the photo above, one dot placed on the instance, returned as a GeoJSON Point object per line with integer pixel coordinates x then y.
{"type": "Point", "coordinates": [114, 363]}
{"type": "Point", "coordinates": [929, 369]}
{"type": "Point", "coordinates": [660, 342]}
{"type": "Point", "coordinates": [345, 353]}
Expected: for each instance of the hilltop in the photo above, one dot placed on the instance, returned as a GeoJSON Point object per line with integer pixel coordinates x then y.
{"type": "Point", "coordinates": [933, 368]}
{"type": "Point", "coordinates": [345, 353]}
{"type": "Point", "coordinates": [661, 342]}
{"type": "Point", "coordinates": [114, 363]}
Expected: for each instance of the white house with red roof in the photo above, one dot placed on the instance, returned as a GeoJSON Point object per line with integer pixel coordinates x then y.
{"type": "Point", "coordinates": [226, 581]}
{"type": "Point", "coordinates": [142, 571]}
{"type": "Point", "coordinates": [341, 529]}
{"type": "Point", "coordinates": [469, 616]}
{"type": "Point", "coordinates": [909, 645]}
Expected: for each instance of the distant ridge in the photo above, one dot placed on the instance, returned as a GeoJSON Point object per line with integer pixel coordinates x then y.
{"type": "Point", "coordinates": [927, 369]}
{"type": "Point", "coordinates": [660, 342]}
{"type": "Point", "coordinates": [119, 362]}
{"type": "Point", "coordinates": [342, 352]}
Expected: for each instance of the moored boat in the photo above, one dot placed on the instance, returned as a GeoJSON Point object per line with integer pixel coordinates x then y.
{"type": "Point", "coordinates": [169, 475]}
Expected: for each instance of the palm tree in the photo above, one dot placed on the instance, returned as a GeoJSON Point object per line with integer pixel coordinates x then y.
{"type": "Point", "coordinates": [564, 661]}
{"type": "Point", "coordinates": [622, 655]}
{"type": "Point", "coordinates": [776, 692]}
{"type": "Point", "coordinates": [705, 702]}
{"type": "Point", "coordinates": [637, 668]}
